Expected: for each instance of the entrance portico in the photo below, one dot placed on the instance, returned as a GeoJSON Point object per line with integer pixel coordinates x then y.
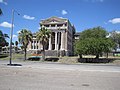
{"type": "Point", "coordinates": [56, 40]}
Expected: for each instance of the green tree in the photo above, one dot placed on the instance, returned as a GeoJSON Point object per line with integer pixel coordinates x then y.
{"type": "Point", "coordinates": [13, 43]}
{"type": "Point", "coordinates": [43, 35]}
{"type": "Point", "coordinates": [16, 44]}
{"type": "Point", "coordinates": [3, 41]}
{"type": "Point", "coordinates": [115, 36]}
{"type": "Point", "coordinates": [24, 37]}
{"type": "Point", "coordinates": [3, 37]}
{"type": "Point", "coordinates": [93, 42]}
{"type": "Point", "coordinates": [7, 44]}
{"type": "Point", "coordinates": [97, 32]}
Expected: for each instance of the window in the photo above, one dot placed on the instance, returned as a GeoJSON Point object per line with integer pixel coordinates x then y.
{"type": "Point", "coordinates": [46, 25]}
{"type": "Point", "coordinates": [34, 36]}
{"type": "Point", "coordinates": [52, 25]}
{"type": "Point", "coordinates": [60, 25]}
{"type": "Point", "coordinates": [32, 47]}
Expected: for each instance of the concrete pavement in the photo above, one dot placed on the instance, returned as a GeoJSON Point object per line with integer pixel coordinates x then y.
{"type": "Point", "coordinates": [55, 76]}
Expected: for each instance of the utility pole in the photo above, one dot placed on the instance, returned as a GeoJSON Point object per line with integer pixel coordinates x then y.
{"type": "Point", "coordinates": [11, 35]}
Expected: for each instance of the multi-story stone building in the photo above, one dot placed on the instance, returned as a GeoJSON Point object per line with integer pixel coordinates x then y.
{"type": "Point", "coordinates": [61, 40]}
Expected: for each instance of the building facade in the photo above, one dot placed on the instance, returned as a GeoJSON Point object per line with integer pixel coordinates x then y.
{"type": "Point", "coordinates": [61, 39]}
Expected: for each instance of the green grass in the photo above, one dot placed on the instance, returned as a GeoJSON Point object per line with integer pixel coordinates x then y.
{"type": "Point", "coordinates": [66, 59]}
{"type": "Point", "coordinates": [15, 57]}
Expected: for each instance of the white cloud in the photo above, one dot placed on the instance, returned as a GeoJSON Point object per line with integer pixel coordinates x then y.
{"type": "Point", "coordinates": [105, 23]}
{"type": "Point", "coordinates": [64, 12]}
{"type": "Point", "coordinates": [101, 0]}
{"type": "Point", "coordinates": [14, 36]}
{"type": "Point", "coordinates": [61, 17]}
{"type": "Point", "coordinates": [114, 20]}
{"type": "Point", "coordinates": [18, 31]}
{"type": "Point", "coordinates": [117, 32]}
{"type": "Point", "coordinates": [2, 1]}
{"type": "Point", "coordinates": [94, 0]}
{"type": "Point", "coordinates": [6, 24]}
{"type": "Point", "coordinates": [28, 17]}
{"type": "Point", "coordinates": [39, 27]}
{"type": "Point", "coordinates": [98, 0]}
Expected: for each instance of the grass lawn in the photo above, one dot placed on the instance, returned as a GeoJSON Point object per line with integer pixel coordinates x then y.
{"type": "Point", "coordinates": [68, 60]}
{"type": "Point", "coordinates": [15, 57]}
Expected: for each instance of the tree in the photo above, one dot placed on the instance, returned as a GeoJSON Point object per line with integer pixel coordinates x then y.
{"type": "Point", "coordinates": [3, 41]}
{"type": "Point", "coordinates": [97, 32]}
{"type": "Point", "coordinates": [93, 42]}
{"type": "Point", "coordinates": [43, 35]}
{"type": "Point", "coordinates": [16, 44]}
{"type": "Point", "coordinates": [7, 44]}
{"type": "Point", "coordinates": [13, 43]}
{"type": "Point", "coordinates": [24, 37]}
{"type": "Point", "coordinates": [3, 37]}
{"type": "Point", "coordinates": [115, 36]}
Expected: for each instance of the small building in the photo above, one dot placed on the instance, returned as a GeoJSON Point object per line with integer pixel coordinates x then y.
{"type": "Point", "coordinates": [77, 35]}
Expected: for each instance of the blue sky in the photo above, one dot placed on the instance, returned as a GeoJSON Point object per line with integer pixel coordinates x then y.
{"type": "Point", "coordinates": [83, 14]}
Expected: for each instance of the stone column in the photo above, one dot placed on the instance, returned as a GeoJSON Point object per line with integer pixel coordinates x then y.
{"type": "Point", "coordinates": [50, 46]}
{"type": "Point", "coordinates": [29, 46]}
{"type": "Point", "coordinates": [62, 39]}
{"type": "Point", "coordinates": [55, 40]}
{"type": "Point", "coordinates": [33, 44]}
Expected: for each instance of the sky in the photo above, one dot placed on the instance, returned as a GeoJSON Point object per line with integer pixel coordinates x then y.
{"type": "Point", "coordinates": [83, 14]}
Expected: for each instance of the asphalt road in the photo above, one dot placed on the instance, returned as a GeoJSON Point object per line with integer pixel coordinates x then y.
{"type": "Point", "coordinates": [55, 76]}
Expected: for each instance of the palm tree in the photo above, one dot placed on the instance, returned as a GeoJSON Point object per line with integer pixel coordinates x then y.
{"type": "Point", "coordinates": [3, 41]}
{"type": "Point", "coordinates": [24, 37]}
{"type": "Point", "coordinates": [43, 35]}
{"type": "Point", "coordinates": [3, 38]}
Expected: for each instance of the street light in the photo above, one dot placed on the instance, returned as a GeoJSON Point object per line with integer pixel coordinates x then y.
{"type": "Point", "coordinates": [11, 34]}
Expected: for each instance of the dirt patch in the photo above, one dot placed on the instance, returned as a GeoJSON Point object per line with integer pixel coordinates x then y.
{"type": "Point", "coordinates": [117, 62]}
{"type": "Point", "coordinates": [68, 60]}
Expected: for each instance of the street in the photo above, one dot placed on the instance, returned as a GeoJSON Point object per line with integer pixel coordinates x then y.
{"type": "Point", "coordinates": [55, 76]}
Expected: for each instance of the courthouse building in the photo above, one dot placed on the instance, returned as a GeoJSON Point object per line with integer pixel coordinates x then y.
{"type": "Point", "coordinates": [61, 40]}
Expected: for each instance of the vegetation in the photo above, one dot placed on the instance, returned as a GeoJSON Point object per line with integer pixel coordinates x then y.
{"type": "Point", "coordinates": [3, 55]}
{"type": "Point", "coordinates": [115, 36]}
{"type": "Point", "coordinates": [15, 56]}
{"type": "Point", "coordinates": [93, 42]}
{"type": "Point", "coordinates": [16, 44]}
{"type": "Point", "coordinates": [43, 35]}
{"type": "Point", "coordinates": [3, 41]}
{"type": "Point", "coordinates": [24, 37]}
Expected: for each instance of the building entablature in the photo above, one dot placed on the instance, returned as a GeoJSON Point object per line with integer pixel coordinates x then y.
{"type": "Point", "coordinates": [53, 20]}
